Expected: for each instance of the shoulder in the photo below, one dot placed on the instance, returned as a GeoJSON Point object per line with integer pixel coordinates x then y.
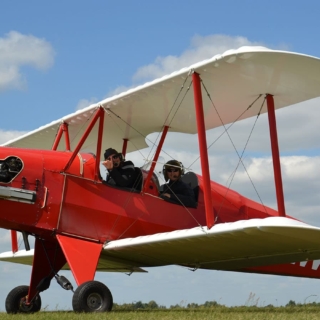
{"type": "Point", "coordinates": [127, 165]}
{"type": "Point", "coordinates": [183, 184]}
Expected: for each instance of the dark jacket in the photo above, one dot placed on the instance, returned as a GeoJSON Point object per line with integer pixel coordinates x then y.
{"type": "Point", "coordinates": [123, 176]}
{"type": "Point", "coordinates": [180, 193]}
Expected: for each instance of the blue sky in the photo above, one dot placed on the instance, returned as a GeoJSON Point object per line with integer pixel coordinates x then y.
{"type": "Point", "coordinates": [56, 57]}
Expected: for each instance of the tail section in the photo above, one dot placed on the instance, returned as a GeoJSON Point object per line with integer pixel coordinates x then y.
{"type": "Point", "coordinates": [304, 269]}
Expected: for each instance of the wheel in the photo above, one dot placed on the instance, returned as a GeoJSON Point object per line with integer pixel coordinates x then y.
{"type": "Point", "coordinates": [15, 302]}
{"type": "Point", "coordinates": [92, 296]}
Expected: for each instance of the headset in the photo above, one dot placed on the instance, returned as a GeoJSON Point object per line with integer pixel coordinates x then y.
{"type": "Point", "coordinates": [174, 164]}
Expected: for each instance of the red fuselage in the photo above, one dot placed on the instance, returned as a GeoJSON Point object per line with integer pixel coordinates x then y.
{"type": "Point", "coordinates": [74, 203]}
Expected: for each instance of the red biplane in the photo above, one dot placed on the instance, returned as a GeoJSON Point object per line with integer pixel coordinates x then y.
{"type": "Point", "coordinates": [51, 187]}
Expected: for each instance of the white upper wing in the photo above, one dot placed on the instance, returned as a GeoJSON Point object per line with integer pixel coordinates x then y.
{"type": "Point", "coordinates": [233, 79]}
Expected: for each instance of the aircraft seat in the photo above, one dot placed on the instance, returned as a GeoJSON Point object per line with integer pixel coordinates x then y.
{"type": "Point", "coordinates": [191, 179]}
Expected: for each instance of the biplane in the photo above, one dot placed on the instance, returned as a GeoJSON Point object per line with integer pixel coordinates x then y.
{"type": "Point", "coordinates": [51, 187]}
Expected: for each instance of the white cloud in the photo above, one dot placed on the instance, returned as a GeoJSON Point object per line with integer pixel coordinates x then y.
{"type": "Point", "coordinates": [83, 103]}
{"type": "Point", "coordinates": [5, 238]}
{"type": "Point", "coordinates": [18, 50]}
{"type": "Point", "coordinates": [9, 135]}
{"type": "Point", "coordinates": [200, 48]}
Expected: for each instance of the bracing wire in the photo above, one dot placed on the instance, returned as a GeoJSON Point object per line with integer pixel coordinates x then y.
{"type": "Point", "coordinates": [226, 131]}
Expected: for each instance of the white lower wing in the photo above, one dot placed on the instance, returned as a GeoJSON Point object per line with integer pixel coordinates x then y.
{"type": "Point", "coordinates": [110, 265]}
{"type": "Point", "coordinates": [227, 246]}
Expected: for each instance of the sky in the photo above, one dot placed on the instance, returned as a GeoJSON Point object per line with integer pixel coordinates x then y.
{"type": "Point", "coordinates": [58, 57]}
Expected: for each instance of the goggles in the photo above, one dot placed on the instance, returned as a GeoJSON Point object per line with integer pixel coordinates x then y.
{"type": "Point", "coordinates": [113, 157]}
{"type": "Point", "coordinates": [172, 170]}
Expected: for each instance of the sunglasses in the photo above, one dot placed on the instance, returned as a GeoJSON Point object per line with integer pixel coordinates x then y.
{"type": "Point", "coordinates": [172, 170]}
{"type": "Point", "coordinates": [113, 157]}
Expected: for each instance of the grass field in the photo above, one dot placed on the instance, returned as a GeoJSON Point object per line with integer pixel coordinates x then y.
{"type": "Point", "coordinates": [223, 313]}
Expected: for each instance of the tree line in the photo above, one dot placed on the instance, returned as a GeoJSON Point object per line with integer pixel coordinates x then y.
{"type": "Point", "coordinates": [153, 305]}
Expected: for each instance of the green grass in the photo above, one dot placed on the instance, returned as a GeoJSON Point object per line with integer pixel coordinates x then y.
{"type": "Point", "coordinates": [221, 313]}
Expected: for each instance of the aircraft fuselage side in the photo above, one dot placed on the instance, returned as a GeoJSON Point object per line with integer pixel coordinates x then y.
{"type": "Point", "coordinates": [73, 203]}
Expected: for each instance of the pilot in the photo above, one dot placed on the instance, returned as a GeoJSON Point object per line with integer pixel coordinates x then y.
{"type": "Point", "coordinates": [121, 173]}
{"type": "Point", "coordinates": [175, 190]}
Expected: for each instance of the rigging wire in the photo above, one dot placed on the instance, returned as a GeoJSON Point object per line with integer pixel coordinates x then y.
{"type": "Point", "coordinates": [153, 144]}
{"type": "Point", "coordinates": [240, 161]}
{"type": "Point", "coordinates": [171, 109]}
{"type": "Point", "coordinates": [226, 131]}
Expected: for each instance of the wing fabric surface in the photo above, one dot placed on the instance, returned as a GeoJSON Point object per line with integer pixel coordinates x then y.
{"type": "Point", "coordinates": [234, 80]}
{"type": "Point", "coordinates": [111, 265]}
{"type": "Point", "coordinates": [228, 246]}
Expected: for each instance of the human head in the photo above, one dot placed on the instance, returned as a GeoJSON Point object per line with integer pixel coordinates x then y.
{"type": "Point", "coordinates": [173, 170]}
{"type": "Point", "coordinates": [114, 155]}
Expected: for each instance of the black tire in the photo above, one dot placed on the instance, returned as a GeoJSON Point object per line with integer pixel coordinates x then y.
{"type": "Point", "coordinates": [15, 302]}
{"type": "Point", "coordinates": [92, 296]}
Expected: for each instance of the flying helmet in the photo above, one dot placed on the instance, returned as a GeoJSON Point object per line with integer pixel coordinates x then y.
{"type": "Point", "coordinates": [112, 151]}
{"type": "Point", "coordinates": [172, 164]}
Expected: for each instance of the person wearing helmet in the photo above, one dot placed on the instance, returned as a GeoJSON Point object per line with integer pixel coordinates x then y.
{"type": "Point", "coordinates": [175, 190]}
{"type": "Point", "coordinates": [121, 173]}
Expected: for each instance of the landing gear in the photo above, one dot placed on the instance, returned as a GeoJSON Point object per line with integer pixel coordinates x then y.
{"type": "Point", "coordinates": [16, 301]}
{"type": "Point", "coordinates": [92, 296]}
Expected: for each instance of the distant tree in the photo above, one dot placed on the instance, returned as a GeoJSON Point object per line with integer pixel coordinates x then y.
{"type": "Point", "coordinates": [291, 303]}
{"type": "Point", "coordinates": [152, 305]}
{"type": "Point", "coordinates": [209, 304]}
{"type": "Point", "coordinates": [192, 305]}
{"type": "Point", "coordinates": [138, 305]}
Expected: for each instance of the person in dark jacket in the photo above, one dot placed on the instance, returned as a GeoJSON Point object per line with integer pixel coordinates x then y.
{"type": "Point", "coordinates": [175, 190]}
{"type": "Point", "coordinates": [121, 173]}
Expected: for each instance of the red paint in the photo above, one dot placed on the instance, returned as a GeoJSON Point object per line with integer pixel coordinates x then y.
{"type": "Point", "coordinates": [14, 241]}
{"type": "Point", "coordinates": [58, 138]}
{"type": "Point", "coordinates": [99, 113]}
{"type": "Point", "coordinates": [82, 257]}
{"type": "Point", "coordinates": [155, 159]}
{"type": "Point", "coordinates": [48, 260]}
{"type": "Point", "coordinates": [99, 146]}
{"type": "Point", "coordinates": [298, 269]}
{"type": "Point", "coordinates": [63, 128]}
{"type": "Point", "coordinates": [66, 136]}
{"type": "Point", "coordinates": [275, 155]}
{"type": "Point", "coordinates": [203, 148]}
{"type": "Point", "coordinates": [74, 213]}
{"type": "Point", "coordinates": [124, 147]}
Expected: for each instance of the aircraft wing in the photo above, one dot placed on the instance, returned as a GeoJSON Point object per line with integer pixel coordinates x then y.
{"type": "Point", "coordinates": [111, 265]}
{"type": "Point", "coordinates": [233, 79]}
{"type": "Point", "coordinates": [227, 246]}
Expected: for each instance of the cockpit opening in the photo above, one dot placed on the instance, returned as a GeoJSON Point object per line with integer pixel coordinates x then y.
{"type": "Point", "coordinates": [10, 168]}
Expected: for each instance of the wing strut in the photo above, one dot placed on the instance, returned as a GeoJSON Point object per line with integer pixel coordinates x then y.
{"type": "Point", "coordinates": [155, 158]}
{"type": "Point", "coordinates": [99, 144]}
{"type": "Point", "coordinates": [14, 241]}
{"type": "Point", "coordinates": [275, 155]}
{"type": "Point", "coordinates": [124, 147]}
{"type": "Point", "coordinates": [99, 114]}
{"type": "Point", "coordinates": [203, 149]}
{"type": "Point", "coordinates": [62, 129]}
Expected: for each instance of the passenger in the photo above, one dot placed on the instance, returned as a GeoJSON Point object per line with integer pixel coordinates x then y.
{"type": "Point", "coordinates": [121, 173]}
{"type": "Point", "coordinates": [176, 191]}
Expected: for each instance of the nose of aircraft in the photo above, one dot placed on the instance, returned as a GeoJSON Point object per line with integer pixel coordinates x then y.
{"type": "Point", "coordinates": [20, 181]}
